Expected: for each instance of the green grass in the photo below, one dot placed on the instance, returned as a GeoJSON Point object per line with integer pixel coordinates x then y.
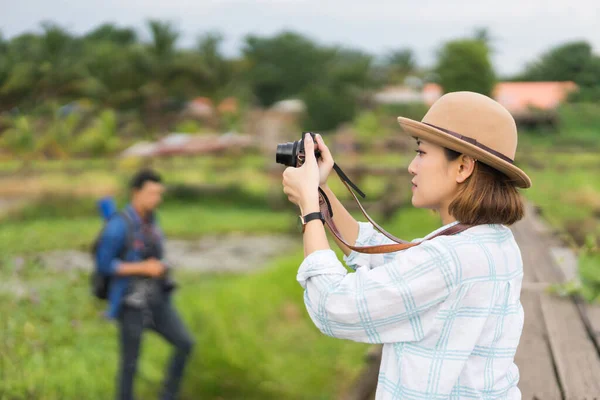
{"type": "Point", "coordinates": [566, 189]}
{"type": "Point", "coordinates": [177, 220]}
{"type": "Point", "coordinates": [254, 338]}
{"type": "Point", "coordinates": [254, 341]}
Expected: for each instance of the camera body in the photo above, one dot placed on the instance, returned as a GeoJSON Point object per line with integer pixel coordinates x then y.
{"type": "Point", "coordinates": [292, 154]}
{"type": "Point", "coordinates": [154, 250]}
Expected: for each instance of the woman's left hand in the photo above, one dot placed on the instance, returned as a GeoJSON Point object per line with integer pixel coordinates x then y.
{"type": "Point", "coordinates": [301, 184]}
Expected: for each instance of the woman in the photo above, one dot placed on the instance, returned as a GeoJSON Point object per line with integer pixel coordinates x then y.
{"type": "Point", "coordinates": [447, 311]}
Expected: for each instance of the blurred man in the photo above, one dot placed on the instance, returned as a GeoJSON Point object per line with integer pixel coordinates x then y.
{"type": "Point", "coordinates": [130, 252]}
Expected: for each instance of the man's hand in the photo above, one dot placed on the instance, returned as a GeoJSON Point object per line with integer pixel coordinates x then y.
{"type": "Point", "coordinates": [153, 268]}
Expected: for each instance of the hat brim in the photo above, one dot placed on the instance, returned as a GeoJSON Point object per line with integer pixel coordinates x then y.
{"type": "Point", "coordinates": [428, 133]}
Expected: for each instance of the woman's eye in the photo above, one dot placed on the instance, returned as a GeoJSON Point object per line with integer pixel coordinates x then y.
{"type": "Point", "coordinates": [419, 152]}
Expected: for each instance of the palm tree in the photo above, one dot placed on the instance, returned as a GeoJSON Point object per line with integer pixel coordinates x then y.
{"type": "Point", "coordinates": [62, 73]}
{"type": "Point", "coordinates": [158, 65]}
{"type": "Point", "coordinates": [112, 33]}
{"type": "Point", "coordinates": [19, 139]}
{"type": "Point", "coordinates": [164, 37]}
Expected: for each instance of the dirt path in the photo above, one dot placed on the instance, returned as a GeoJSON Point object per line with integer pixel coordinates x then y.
{"type": "Point", "coordinates": [211, 254]}
{"type": "Point", "coordinates": [227, 253]}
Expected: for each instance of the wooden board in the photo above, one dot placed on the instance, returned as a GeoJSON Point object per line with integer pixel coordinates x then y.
{"type": "Point", "coordinates": [592, 318]}
{"type": "Point", "coordinates": [534, 359]}
{"type": "Point", "coordinates": [575, 356]}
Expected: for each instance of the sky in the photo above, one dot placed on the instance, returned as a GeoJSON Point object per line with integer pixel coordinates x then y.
{"type": "Point", "coordinates": [521, 29]}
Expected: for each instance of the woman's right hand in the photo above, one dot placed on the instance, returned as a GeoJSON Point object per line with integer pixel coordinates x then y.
{"type": "Point", "coordinates": [325, 162]}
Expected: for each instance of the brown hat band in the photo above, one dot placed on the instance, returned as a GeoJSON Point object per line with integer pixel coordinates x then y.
{"type": "Point", "coordinates": [474, 142]}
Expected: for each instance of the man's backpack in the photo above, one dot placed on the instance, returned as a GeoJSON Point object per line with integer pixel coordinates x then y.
{"type": "Point", "coordinates": [100, 283]}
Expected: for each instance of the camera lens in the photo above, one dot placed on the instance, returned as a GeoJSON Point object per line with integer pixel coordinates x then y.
{"type": "Point", "coordinates": [286, 154]}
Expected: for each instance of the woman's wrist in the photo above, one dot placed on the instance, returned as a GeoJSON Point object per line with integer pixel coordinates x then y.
{"type": "Point", "coordinates": [310, 204]}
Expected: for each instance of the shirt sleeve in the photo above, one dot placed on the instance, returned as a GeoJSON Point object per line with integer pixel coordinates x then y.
{"type": "Point", "coordinates": [110, 244]}
{"type": "Point", "coordinates": [369, 236]}
{"type": "Point", "coordinates": [395, 302]}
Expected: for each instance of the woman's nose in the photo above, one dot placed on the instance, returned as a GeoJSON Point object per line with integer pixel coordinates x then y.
{"type": "Point", "coordinates": [412, 167]}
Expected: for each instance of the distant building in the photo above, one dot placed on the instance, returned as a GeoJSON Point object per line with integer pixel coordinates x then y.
{"type": "Point", "coordinates": [521, 97]}
{"type": "Point", "coordinates": [528, 102]}
{"type": "Point", "coordinates": [398, 94]}
{"type": "Point", "coordinates": [177, 144]}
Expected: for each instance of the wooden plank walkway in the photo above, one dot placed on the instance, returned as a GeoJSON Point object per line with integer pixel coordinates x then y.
{"type": "Point", "coordinates": [559, 352]}
{"type": "Point", "coordinates": [557, 356]}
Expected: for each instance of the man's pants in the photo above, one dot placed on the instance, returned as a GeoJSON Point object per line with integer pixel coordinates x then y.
{"type": "Point", "coordinates": [164, 320]}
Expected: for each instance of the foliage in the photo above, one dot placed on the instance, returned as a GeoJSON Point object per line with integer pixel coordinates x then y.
{"type": "Point", "coordinates": [465, 65]}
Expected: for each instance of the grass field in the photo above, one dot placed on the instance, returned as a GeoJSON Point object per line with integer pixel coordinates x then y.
{"type": "Point", "coordinates": [254, 339]}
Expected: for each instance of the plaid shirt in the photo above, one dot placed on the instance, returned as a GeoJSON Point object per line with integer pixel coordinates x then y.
{"type": "Point", "coordinates": [447, 311]}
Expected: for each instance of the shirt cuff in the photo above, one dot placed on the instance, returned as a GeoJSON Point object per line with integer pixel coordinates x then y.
{"type": "Point", "coordinates": [365, 233]}
{"type": "Point", "coordinates": [320, 262]}
{"type": "Point", "coordinates": [114, 266]}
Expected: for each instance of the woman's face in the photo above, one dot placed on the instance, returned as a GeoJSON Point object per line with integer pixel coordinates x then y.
{"type": "Point", "coordinates": [435, 179]}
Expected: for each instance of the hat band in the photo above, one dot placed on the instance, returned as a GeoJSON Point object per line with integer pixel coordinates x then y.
{"type": "Point", "coordinates": [474, 142]}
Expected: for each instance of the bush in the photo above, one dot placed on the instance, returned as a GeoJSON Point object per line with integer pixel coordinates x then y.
{"type": "Point", "coordinates": [414, 111]}
{"type": "Point", "coordinates": [101, 138]}
{"type": "Point", "coordinates": [189, 126]}
{"type": "Point", "coordinates": [580, 116]}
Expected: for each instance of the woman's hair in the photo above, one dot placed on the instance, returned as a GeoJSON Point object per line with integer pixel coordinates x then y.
{"type": "Point", "coordinates": [487, 197]}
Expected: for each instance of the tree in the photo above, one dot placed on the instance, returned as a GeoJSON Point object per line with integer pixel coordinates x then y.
{"type": "Point", "coordinates": [573, 61]}
{"type": "Point", "coordinates": [157, 66]}
{"type": "Point", "coordinates": [335, 97]}
{"type": "Point", "coordinates": [561, 63]}
{"type": "Point", "coordinates": [400, 64]}
{"type": "Point", "coordinates": [60, 73]}
{"type": "Point", "coordinates": [282, 66]}
{"type": "Point", "coordinates": [330, 80]}
{"type": "Point", "coordinates": [112, 33]}
{"type": "Point", "coordinates": [483, 35]}
{"type": "Point", "coordinates": [465, 65]}
{"type": "Point", "coordinates": [216, 70]}
{"type": "Point", "coordinates": [117, 73]}
{"type": "Point", "coordinates": [164, 37]}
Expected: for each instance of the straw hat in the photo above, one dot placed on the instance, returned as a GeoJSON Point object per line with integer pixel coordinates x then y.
{"type": "Point", "coordinates": [472, 124]}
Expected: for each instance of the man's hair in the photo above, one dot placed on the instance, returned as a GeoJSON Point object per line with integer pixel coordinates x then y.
{"type": "Point", "coordinates": [143, 176]}
{"type": "Point", "coordinates": [488, 196]}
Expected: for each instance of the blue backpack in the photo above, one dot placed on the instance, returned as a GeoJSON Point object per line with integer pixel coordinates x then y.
{"type": "Point", "coordinates": [100, 283]}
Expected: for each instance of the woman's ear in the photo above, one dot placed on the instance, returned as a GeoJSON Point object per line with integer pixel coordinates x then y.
{"type": "Point", "coordinates": [466, 166]}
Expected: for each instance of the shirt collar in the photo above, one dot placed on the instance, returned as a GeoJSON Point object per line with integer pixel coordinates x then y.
{"type": "Point", "coordinates": [440, 229]}
{"type": "Point", "coordinates": [137, 219]}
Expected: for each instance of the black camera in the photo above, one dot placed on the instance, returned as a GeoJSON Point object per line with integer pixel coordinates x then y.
{"type": "Point", "coordinates": [292, 153]}
{"type": "Point", "coordinates": [153, 249]}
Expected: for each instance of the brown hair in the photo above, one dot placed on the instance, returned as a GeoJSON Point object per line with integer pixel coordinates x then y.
{"type": "Point", "coordinates": [487, 197]}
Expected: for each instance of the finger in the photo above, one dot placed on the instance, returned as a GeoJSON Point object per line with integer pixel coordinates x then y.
{"type": "Point", "coordinates": [309, 149]}
{"type": "Point", "coordinates": [325, 153]}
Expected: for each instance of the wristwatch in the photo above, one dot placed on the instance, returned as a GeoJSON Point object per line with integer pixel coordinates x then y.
{"type": "Point", "coordinates": [309, 217]}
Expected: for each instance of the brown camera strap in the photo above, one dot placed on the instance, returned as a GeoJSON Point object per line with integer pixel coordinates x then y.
{"type": "Point", "coordinates": [383, 248]}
